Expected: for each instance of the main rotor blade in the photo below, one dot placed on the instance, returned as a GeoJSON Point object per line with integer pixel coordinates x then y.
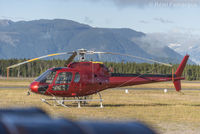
{"type": "Point", "coordinates": [133, 57]}
{"type": "Point", "coordinates": [34, 59]}
{"type": "Point", "coordinates": [71, 58]}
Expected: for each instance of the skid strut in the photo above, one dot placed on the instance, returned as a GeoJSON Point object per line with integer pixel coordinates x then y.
{"type": "Point", "coordinates": [101, 100]}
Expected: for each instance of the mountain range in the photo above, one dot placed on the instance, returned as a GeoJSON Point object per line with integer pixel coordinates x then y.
{"type": "Point", "coordinates": [30, 39]}
{"type": "Point", "coordinates": [183, 43]}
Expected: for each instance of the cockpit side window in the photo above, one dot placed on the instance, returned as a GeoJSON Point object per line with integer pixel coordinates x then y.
{"type": "Point", "coordinates": [64, 77]}
{"type": "Point", "coordinates": [50, 77]}
{"type": "Point", "coordinates": [77, 77]}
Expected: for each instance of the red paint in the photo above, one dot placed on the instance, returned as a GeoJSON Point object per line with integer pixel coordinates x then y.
{"type": "Point", "coordinates": [180, 69]}
{"type": "Point", "coordinates": [95, 77]}
{"type": "Point", "coordinates": [34, 86]}
{"type": "Point", "coordinates": [73, 94]}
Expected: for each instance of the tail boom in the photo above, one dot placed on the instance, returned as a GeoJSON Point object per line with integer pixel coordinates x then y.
{"type": "Point", "coordinates": [121, 80]}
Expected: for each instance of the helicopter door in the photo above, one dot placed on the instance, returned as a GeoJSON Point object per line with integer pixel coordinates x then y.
{"type": "Point", "coordinates": [62, 81]}
{"type": "Point", "coordinates": [76, 85]}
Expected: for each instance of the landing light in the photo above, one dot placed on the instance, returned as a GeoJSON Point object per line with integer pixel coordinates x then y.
{"type": "Point", "coordinates": [126, 91]}
{"type": "Point", "coordinates": [165, 90]}
{"type": "Point", "coordinates": [35, 86]}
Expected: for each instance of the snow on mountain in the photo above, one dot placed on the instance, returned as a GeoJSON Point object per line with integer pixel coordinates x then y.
{"type": "Point", "coordinates": [182, 43]}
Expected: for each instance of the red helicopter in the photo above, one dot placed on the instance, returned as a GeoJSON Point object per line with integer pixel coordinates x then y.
{"type": "Point", "coordinates": [85, 78]}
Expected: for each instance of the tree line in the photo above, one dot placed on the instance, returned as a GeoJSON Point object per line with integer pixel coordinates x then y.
{"type": "Point", "coordinates": [34, 69]}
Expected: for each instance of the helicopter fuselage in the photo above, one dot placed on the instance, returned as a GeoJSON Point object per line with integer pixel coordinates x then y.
{"type": "Point", "coordinates": [86, 78]}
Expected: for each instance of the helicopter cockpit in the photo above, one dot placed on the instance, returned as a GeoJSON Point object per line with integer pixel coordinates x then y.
{"type": "Point", "coordinates": [48, 77]}
{"type": "Point", "coordinates": [56, 78]}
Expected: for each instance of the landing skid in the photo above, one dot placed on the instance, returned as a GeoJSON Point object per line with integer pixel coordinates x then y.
{"type": "Point", "coordinates": [61, 102]}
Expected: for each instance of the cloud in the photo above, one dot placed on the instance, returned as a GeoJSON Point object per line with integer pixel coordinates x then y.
{"type": "Point", "coordinates": [88, 20]}
{"type": "Point", "coordinates": [163, 20]}
{"type": "Point", "coordinates": [156, 2]}
{"type": "Point", "coordinates": [186, 30]}
{"type": "Point", "coordinates": [143, 21]}
{"type": "Point", "coordinates": [12, 18]}
{"type": "Point", "coordinates": [143, 3]}
{"type": "Point", "coordinates": [6, 18]}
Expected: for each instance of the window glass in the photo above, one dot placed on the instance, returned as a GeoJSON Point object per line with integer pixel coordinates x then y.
{"type": "Point", "coordinates": [77, 77]}
{"type": "Point", "coordinates": [60, 87]}
{"type": "Point", "coordinates": [46, 77]}
{"type": "Point", "coordinates": [64, 77]}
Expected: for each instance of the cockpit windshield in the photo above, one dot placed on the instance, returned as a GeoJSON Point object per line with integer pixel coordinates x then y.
{"type": "Point", "coordinates": [46, 77]}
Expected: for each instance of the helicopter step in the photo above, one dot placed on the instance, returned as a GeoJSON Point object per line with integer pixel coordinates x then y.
{"type": "Point", "coordinates": [79, 101]}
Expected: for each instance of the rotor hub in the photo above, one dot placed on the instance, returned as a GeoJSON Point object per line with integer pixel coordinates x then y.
{"type": "Point", "coordinates": [81, 54]}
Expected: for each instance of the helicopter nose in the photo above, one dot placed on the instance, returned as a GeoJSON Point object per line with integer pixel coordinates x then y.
{"type": "Point", "coordinates": [34, 86]}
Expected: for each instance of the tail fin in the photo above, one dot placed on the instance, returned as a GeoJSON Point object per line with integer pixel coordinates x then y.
{"type": "Point", "coordinates": [178, 73]}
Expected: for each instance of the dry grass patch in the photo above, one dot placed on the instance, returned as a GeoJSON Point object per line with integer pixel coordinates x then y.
{"type": "Point", "coordinates": [169, 112]}
{"type": "Point", "coordinates": [162, 85]}
{"type": "Point", "coordinates": [16, 82]}
{"type": "Point", "coordinates": [151, 106]}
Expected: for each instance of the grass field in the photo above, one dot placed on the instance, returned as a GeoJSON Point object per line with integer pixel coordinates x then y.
{"type": "Point", "coordinates": [167, 113]}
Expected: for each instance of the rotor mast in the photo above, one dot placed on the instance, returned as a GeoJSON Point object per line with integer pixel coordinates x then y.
{"type": "Point", "coordinates": [81, 54]}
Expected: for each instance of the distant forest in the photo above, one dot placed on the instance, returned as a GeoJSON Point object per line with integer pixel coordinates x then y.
{"type": "Point", "coordinates": [34, 69]}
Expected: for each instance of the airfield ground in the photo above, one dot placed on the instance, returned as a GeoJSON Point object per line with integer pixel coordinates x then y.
{"type": "Point", "coordinates": [167, 113]}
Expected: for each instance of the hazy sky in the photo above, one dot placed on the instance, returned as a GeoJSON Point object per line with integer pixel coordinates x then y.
{"type": "Point", "coordinates": [143, 15]}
